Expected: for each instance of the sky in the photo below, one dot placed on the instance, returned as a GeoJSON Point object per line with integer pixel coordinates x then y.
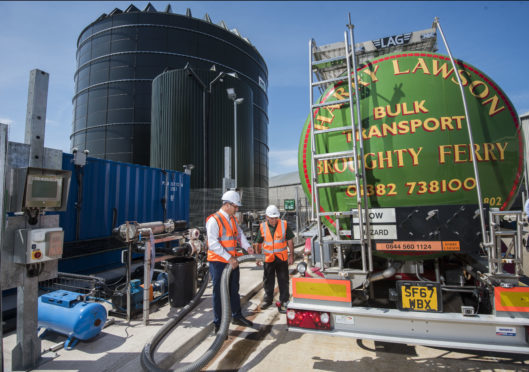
{"type": "Point", "coordinates": [491, 35]}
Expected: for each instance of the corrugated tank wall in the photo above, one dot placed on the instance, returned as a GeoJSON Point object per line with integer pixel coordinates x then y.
{"type": "Point", "coordinates": [192, 126]}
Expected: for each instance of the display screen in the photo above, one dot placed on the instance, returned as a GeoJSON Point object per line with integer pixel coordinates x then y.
{"type": "Point", "coordinates": [44, 189]}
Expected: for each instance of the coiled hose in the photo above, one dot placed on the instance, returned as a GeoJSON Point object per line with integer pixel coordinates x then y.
{"type": "Point", "coordinates": [147, 354]}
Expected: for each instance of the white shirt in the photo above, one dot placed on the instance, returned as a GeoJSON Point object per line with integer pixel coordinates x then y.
{"type": "Point", "coordinates": [212, 229]}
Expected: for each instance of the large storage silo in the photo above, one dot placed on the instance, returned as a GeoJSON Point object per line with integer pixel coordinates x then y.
{"type": "Point", "coordinates": [192, 126]}
{"type": "Point", "coordinates": [120, 54]}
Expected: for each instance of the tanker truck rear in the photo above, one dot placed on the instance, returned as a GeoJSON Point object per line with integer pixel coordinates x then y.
{"type": "Point", "coordinates": [411, 186]}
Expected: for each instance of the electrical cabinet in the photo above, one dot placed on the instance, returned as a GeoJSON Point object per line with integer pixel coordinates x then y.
{"type": "Point", "coordinates": [38, 245]}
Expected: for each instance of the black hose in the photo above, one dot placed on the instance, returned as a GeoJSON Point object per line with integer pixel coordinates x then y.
{"type": "Point", "coordinates": [147, 355]}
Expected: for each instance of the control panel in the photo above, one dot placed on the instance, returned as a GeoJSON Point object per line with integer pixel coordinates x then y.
{"type": "Point", "coordinates": [38, 245]}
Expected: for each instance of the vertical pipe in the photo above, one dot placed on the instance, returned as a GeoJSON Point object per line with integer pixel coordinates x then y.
{"type": "Point", "coordinates": [470, 137]}
{"type": "Point", "coordinates": [315, 198]}
{"type": "Point", "coordinates": [204, 153]}
{"type": "Point", "coordinates": [129, 263]}
{"type": "Point", "coordinates": [297, 215]}
{"type": "Point", "coordinates": [235, 139]}
{"type": "Point", "coordinates": [312, 146]}
{"type": "Point", "coordinates": [519, 243]}
{"type": "Point", "coordinates": [147, 279]}
{"type": "Point", "coordinates": [361, 146]}
{"type": "Point", "coordinates": [357, 162]}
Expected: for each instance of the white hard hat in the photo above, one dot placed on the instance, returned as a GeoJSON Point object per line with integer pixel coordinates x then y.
{"type": "Point", "coordinates": [272, 211]}
{"type": "Point", "coordinates": [232, 197]}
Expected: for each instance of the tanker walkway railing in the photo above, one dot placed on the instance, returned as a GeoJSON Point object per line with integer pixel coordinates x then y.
{"type": "Point", "coordinates": [356, 153]}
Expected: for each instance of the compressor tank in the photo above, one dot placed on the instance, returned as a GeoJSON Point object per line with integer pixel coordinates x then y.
{"type": "Point", "coordinates": [416, 143]}
{"type": "Point", "coordinates": [65, 312]}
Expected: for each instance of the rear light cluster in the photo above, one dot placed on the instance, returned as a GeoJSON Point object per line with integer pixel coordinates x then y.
{"type": "Point", "coordinates": [309, 319]}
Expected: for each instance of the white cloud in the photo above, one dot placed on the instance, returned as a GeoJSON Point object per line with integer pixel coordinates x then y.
{"type": "Point", "coordinates": [282, 161]}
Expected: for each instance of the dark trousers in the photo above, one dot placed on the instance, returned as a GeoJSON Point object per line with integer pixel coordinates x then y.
{"type": "Point", "coordinates": [270, 270]}
{"type": "Point", "coordinates": [215, 270]}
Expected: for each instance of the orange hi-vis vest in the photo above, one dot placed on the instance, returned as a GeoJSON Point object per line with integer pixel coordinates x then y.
{"type": "Point", "coordinates": [275, 245]}
{"type": "Point", "coordinates": [227, 236]}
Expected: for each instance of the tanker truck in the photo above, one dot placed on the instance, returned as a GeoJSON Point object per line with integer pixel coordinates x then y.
{"type": "Point", "coordinates": [412, 161]}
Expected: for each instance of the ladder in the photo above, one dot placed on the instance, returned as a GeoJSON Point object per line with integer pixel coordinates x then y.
{"type": "Point", "coordinates": [363, 243]}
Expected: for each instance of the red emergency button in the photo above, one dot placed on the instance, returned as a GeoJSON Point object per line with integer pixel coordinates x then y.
{"type": "Point", "coordinates": [37, 254]}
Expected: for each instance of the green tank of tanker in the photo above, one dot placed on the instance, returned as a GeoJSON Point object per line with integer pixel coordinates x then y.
{"type": "Point", "coordinates": [416, 143]}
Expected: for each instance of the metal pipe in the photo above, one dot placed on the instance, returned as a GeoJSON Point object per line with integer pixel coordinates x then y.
{"type": "Point", "coordinates": [129, 264]}
{"type": "Point", "coordinates": [471, 139]}
{"type": "Point", "coordinates": [312, 138]}
{"type": "Point", "coordinates": [361, 146]}
{"type": "Point", "coordinates": [388, 273]}
{"type": "Point", "coordinates": [235, 141]}
{"type": "Point", "coordinates": [147, 278]}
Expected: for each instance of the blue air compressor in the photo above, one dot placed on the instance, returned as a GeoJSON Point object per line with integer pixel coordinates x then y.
{"type": "Point", "coordinates": [67, 313]}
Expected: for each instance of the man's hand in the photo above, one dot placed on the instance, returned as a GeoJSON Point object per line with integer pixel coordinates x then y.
{"type": "Point", "coordinates": [250, 250]}
{"type": "Point", "coordinates": [291, 258]}
{"type": "Point", "coordinates": [233, 262]}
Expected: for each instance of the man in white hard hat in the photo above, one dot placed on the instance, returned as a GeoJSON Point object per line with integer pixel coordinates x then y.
{"type": "Point", "coordinates": [273, 237]}
{"type": "Point", "coordinates": [224, 235]}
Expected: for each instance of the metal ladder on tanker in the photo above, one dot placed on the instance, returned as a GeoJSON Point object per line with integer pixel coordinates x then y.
{"type": "Point", "coordinates": [357, 153]}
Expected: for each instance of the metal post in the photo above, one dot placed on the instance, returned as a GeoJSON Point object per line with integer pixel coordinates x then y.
{"type": "Point", "coordinates": [36, 116]}
{"type": "Point", "coordinates": [364, 233]}
{"type": "Point", "coordinates": [147, 279]}
{"type": "Point", "coordinates": [470, 137]}
{"type": "Point", "coordinates": [129, 263]}
{"type": "Point", "coordinates": [26, 353]}
{"type": "Point", "coordinates": [227, 162]}
{"type": "Point", "coordinates": [3, 163]}
{"type": "Point", "coordinates": [312, 139]}
{"type": "Point", "coordinates": [235, 141]}
{"type": "Point", "coordinates": [297, 215]}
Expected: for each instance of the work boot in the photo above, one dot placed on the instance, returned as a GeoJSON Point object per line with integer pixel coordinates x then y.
{"type": "Point", "coordinates": [282, 307]}
{"type": "Point", "coordinates": [242, 321]}
{"type": "Point", "coordinates": [266, 304]}
{"type": "Point", "coordinates": [216, 327]}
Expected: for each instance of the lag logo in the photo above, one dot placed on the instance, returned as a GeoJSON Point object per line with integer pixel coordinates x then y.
{"type": "Point", "coordinates": [394, 40]}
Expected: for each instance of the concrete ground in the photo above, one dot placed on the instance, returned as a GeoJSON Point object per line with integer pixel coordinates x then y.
{"type": "Point", "coordinates": [118, 346]}
{"type": "Point", "coordinates": [266, 346]}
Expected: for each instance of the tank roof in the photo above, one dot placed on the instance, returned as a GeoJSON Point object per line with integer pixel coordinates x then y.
{"type": "Point", "coordinates": [168, 10]}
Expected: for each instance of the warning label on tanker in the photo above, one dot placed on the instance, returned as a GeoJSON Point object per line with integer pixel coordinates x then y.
{"type": "Point", "coordinates": [378, 232]}
{"type": "Point", "coordinates": [423, 246]}
{"type": "Point", "coordinates": [410, 246]}
{"type": "Point", "coordinates": [451, 246]}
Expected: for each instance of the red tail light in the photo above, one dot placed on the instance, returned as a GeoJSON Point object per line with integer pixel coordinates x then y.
{"type": "Point", "coordinates": [309, 319]}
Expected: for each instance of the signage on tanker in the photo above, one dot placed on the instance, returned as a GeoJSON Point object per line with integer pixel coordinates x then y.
{"type": "Point", "coordinates": [394, 40]}
{"type": "Point", "coordinates": [379, 215]}
{"type": "Point", "coordinates": [416, 143]}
